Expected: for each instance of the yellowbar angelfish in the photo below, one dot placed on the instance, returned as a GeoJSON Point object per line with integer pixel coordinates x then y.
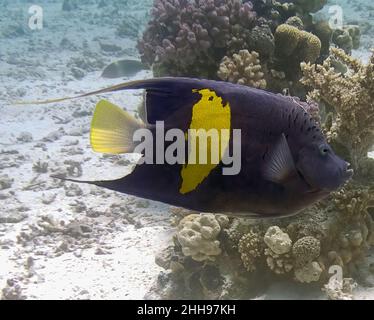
{"type": "Point", "coordinates": [285, 161]}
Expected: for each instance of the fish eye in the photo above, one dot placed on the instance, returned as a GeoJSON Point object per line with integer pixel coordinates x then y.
{"type": "Point", "coordinates": [324, 150]}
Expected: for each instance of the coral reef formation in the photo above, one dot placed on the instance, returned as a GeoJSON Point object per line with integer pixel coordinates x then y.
{"type": "Point", "coordinates": [278, 241]}
{"type": "Point", "coordinates": [266, 52]}
{"type": "Point", "coordinates": [305, 250]}
{"type": "Point", "coordinates": [311, 272]}
{"type": "Point", "coordinates": [191, 37]}
{"type": "Point", "coordinates": [250, 248]}
{"type": "Point", "coordinates": [243, 68]}
{"type": "Point", "coordinates": [342, 93]}
{"type": "Point", "coordinates": [347, 38]}
{"type": "Point", "coordinates": [197, 234]}
{"type": "Point", "coordinates": [198, 38]}
{"type": "Point", "coordinates": [290, 41]}
{"type": "Point", "coordinates": [336, 232]}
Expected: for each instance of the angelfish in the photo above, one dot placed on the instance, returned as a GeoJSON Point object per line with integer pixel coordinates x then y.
{"type": "Point", "coordinates": [286, 163]}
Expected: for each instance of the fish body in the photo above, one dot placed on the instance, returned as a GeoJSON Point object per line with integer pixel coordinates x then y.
{"type": "Point", "coordinates": [286, 163]}
{"type": "Point", "coordinates": [122, 68]}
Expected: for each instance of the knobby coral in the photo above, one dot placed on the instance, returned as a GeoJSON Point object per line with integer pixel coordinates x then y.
{"type": "Point", "coordinates": [190, 37]}
{"type": "Point", "coordinates": [277, 240]}
{"type": "Point", "coordinates": [347, 38]}
{"type": "Point", "coordinates": [305, 250]}
{"type": "Point", "coordinates": [250, 248]}
{"type": "Point", "coordinates": [243, 68]}
{"type": "Point", "coordinates": [198, 236]}
{"type": "Point", "coordinates": [290, 41]}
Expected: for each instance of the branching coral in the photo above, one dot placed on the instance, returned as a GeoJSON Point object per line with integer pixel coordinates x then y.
{"type": "Point", "coordinates": [355, 224]}
{"type": "Point", "coordinates": [279, 263]}
{"type": "Point", "coordinates": [351, 95]}
{"type": "Point", "coordinates": [190, 37]}
{"type": "Point", "coordinates": [237, 229]}
{"type": "Point", "coordinates": [243, 68]}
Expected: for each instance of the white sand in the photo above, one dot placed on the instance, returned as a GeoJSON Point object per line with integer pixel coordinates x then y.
{"type": "Point", "coordinates": [128, 268]}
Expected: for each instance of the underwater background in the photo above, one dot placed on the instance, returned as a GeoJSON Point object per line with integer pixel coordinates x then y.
{"type": "Point", "coordinates": [59, 240]}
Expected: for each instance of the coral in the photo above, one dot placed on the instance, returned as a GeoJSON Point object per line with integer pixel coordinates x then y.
{"type": "Point", "coordinates": [347, 38]}
{"type": "Point", "coordinates": [243, 68]}
{"type": "Point", "coordinates": [310, 272]}
{"type": "Point", "coordinates": [305, 250]}
{"type": "Point", "coordinates": [250, 248]}
{"type": "Point", "coordinates": [340, 290]}
{"type": "Point", "coordinates": [198, 236]}
{"type": "Point", "coordinates": [309, 5]}
{"type": "Point", "coordinates": [307, 225]}
{"type": "Point", "coordinates": [287, 39]}
{"type": "Point", "coordinates": [261, 39]}
{"type": "Point", "coordinates": [323, 31]}
{"type": "Point", "coordinates": [351, 97]}
{"type": "Point", "coordinates": [336, 231]}
{"type": "Point", "coordinates": [301, 8]}
{"type": "Point", "coordinates": [278, 241]}
{"type": "Point", "coordinates": [295, 22]}
{"type": "Point", "coordinates": [290, 41]}
{"type": "Point", "coordinates": [355, 223]}
{"type": "Point", "coordinates": [279, 263]}
{"type": "Point", "coordinates": [190, 37]}
{"type": "Point", "coordinates": [238, 228]}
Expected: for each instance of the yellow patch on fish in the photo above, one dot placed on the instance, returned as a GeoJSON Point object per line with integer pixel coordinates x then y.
{"type": "Point", "coordinates": [210, 127]}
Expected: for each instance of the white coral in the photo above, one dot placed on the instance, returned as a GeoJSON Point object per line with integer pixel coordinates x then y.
{"type": "Point", "coordinates": [198, 234]}
{"type": "Point", "coordinates": [277, 240]}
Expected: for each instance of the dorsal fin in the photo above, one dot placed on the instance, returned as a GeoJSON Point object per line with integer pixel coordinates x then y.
{"type": "Point", "coordinates": [163, 95]}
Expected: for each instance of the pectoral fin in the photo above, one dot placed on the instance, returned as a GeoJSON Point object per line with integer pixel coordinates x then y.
{"type": "Point", "coordinates": [280, 164]}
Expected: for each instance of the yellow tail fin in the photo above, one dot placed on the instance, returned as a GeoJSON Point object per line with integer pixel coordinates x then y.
{"type": "Point", "coordinates": [112, 129]}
